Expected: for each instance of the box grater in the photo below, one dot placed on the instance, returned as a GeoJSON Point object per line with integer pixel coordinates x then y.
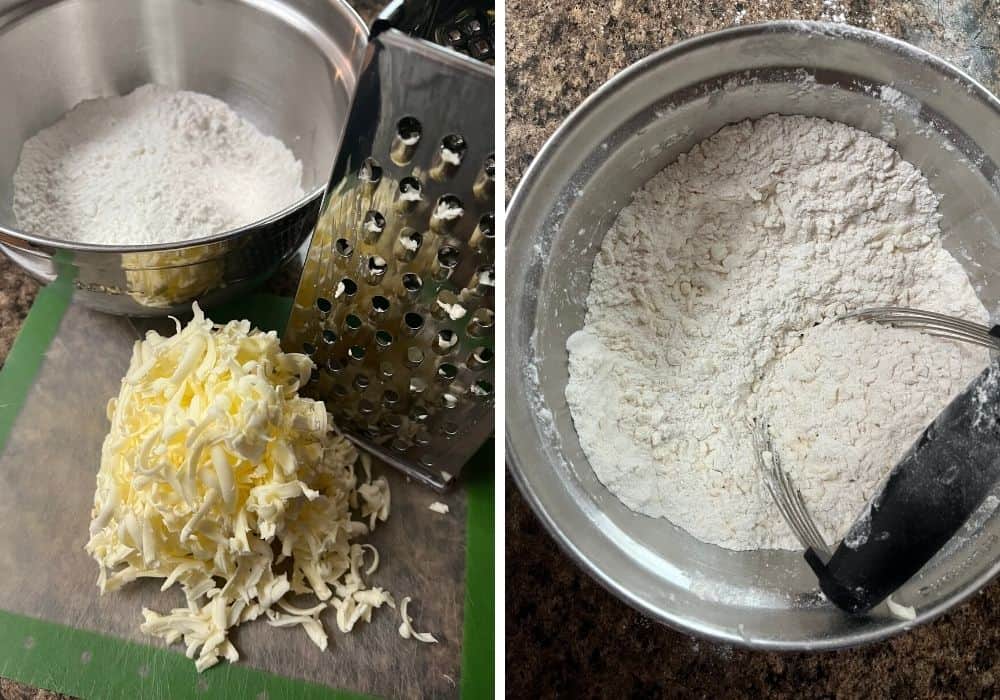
{"type": "Point", "coordinates": [396, 300]}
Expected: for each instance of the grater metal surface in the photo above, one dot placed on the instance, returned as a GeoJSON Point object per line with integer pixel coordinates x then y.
{"type": "Point", "coordinates": [395, 304]}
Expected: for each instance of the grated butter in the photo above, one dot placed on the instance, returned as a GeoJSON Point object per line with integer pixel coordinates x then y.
{"type": "Point", "coordinates": [215, 472]}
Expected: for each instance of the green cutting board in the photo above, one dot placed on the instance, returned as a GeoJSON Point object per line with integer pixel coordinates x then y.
{"type": "Point", "coordinates": [57, 632]}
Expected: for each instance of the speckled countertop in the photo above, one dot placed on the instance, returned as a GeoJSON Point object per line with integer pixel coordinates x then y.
{"type": "Point", "coordinates": [568, 637]}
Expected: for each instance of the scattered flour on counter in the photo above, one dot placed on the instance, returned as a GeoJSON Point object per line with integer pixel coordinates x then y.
{"type": "Point", "coordinates": [154, 166]}
{"type": "Point", "coordinates": [713, 298]}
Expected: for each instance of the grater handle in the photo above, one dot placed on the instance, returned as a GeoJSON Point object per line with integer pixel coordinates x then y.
{"type": "Point", "coordinates": [423, 19]}
{"type": "Point", "coordinates": [927, 498]}
{"type": "Point", "coordinates": [414, 17]}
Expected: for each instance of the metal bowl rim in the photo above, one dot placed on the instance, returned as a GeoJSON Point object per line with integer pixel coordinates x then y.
{"type": "Point", "coordinates": [16, 14]}
{"type": "Point", "coordinates": [515, 464]}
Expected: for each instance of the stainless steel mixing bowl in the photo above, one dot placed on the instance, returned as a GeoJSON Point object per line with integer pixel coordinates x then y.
{"type": "Point", "coordinates": [937, 117]}
{"type": "Point", "coordinates": [289, 66]}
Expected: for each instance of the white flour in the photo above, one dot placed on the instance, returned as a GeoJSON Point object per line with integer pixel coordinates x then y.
{"type": "Point", "coordinates": [152, 167]}
{"type": "Point", "coordinates": [712, 300]}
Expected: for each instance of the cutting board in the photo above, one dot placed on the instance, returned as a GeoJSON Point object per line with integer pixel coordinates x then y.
{"type": "Point", "coordinates": [57, 632]}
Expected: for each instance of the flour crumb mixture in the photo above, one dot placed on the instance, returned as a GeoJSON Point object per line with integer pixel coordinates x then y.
{"type": "Point", "coordinates": [713, 299]}
{"type": "Point", "coordinates": [154, 166]}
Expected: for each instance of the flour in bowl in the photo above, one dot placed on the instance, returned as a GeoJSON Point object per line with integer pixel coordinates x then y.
{"type": "Point", "coordinates": [154, 166]}
{"type": "Point", "coordinates": [713, 299]}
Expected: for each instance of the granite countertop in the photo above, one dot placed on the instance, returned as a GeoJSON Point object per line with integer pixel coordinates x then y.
{"type": "Point", "coordinates": [567, 636]}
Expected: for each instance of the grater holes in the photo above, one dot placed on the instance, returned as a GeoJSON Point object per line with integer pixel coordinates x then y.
{"type": "Point", "coordinates": [375, 269]}
{"type": "Point", "coordinates": [390, 398]}
{"type": "Point", "coordinates": [485, 184]}
{"type": "Point", "coordinates": [335, 365]}
{"type": "Point", "coordinates": [446, 372]}
{"type": "Point", "coordinates": [400, 445]}
{"type": "Point", "coordinates": [346, 288]}
{"type": "Point", "coordinates": [449, 429]}
{"type": "Point", "coordinates": [343, 248]}
{"type": "Point", "coordinates": [483, 236]}
{"type": "Point", "coordinates": [340, 391]}
{"type": "Point", "coordinates": [445, 262]}
{"type": "Point", "coordinates": [353, 217]}
{"type": "Point", "coordinates": [449, 157]}
{"type": "Point", "coordinates": [417, 385]}
{"type": "Point", "coordinates": [412, 323]}
{"type": "Point", "coordinates": [353, 323]}
{"type": "Point", "coordinates": [308, 348]}
{"type": "Point", "coordinates": [383, 340]}
{"type": "Point", "coordinates": [370, 173]}
{"type": "Point", "coordinates": [411, 285]}
{"type": "Point", "coordinates": [324, 306]}
{"type": "Point", "coordinates": [414, 357]}
{"type": "Point", "coordinates": [361, 381]}
{"type": "Point", "coordinates": [449, 400]}
{"type": "Point", "coordinates": [409, 129]}
{"type": "Point", "coordinates": [419, 414]}
{"type": "Point", "coordinates": [484, 281]}
{"type": "Point", "coordinates": [356, 353]}
{"type": "Point", "coordinates": [473, 27]}
{"type": "Point", "coordinates": [372, 226]}
{"type": "Point", "coordinates": [408, 245]}
{"type": "Point", "coordinates": [447, 213]}
{"type": "Point", "coordinates": [446, 341]}
{"type": "Point", "coordinates": [481, 323]}
{"type": "Point", "coordinates": [448, 306]}
{"type": "Point", "coordinates": [469, 33]}
{"type": "Point", "coordinates": [404, 143]}
{"type": "Point", "coordinates": [480, 358]}
{"type": "Point", "coordinates": [380, 307]}
{"type": "Point", "coordinates": [409, 195]}
{"type": "Point", "coordinates": [329, 337]}
{"type": "Point", "coordinates": [448, 256]}
{"type": "Point", "coordinates": [392, 422]}
{"type": "Point", "coordinates": [482, 49]}
{"type": "Point", "coordinates": [482, 389]}
{"type": "Point", "coordinates": [455, 145]}
{"type": "Point", "coordinates": [366, 408]}
{"type": "Point", "coordinates": [422, 438]}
